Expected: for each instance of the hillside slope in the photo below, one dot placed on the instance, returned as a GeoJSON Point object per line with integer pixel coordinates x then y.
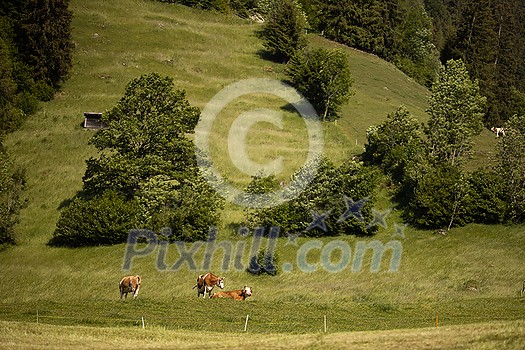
{"type": "Point", "coordinates": [117, 41]}
{"type": "Point", "coordinates": [203, 52]}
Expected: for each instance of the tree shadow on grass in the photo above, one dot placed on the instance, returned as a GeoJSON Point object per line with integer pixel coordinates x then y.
{"type": "Point", "coordinates": [303, 108]}
{"type": "Point", "coordinates": [67, 202]}
{"type": "Point", "coordinates": [268, 56]}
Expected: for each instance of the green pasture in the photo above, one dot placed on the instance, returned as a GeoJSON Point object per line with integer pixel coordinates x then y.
{"type": "Point", "coordinates": [469, 276]}
{"type": "Point", "coordinates": [470, 279]}
{"type": "Point", "coordinates": [499, 335]}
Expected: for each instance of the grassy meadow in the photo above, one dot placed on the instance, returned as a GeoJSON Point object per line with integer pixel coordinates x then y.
{"type": "Point", "coordinates": [470, 278]}
{"type": "Point", "coordinates": [500, 335]}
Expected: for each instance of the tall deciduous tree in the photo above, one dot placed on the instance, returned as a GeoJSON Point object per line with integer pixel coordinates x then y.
{"type": "Point", "coordinates": [284, 31]}
{"type": "Point", "coordinates": [394, 143]}
{"type": "Point", "coordinates": [456, 114]}
{"type": "Point", "coordinates": [511, 167]}
{"type": "Point", "coordinates": [146, 158]}
{"type": "Point", "coordinates": [144, 138]}
{"type": "Point", "coordinates": [438, 186]}
{"type": "Point", "coordinates": [323, 77]}
{"type": "Point", "coordinates": [12, 183]}
{"type": "Point", "coordinates": [414, 51]}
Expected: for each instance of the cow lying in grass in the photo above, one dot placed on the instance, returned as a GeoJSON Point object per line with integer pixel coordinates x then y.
{"type": "Point", "coordinates": [130, 284]}
{"type": "Point", "coordinates": [239, 294]}
{"type": "Point", "coordinates": [205, 284]}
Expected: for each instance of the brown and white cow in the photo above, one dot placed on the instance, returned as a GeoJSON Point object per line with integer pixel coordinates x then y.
{"type": "Point", "coordinates": [239, 294]}
{"type": "Point", "coordinates": [498, 131]}
{"type": "Point", "coordinates": [130, 284]}
{"type": "Point", "coordinates": [205, 284]}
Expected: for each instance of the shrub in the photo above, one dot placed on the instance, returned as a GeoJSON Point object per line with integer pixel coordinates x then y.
{"type": "Point", "coordinates": [12, 184]}
{"type": "Point", "coordinates": [325, 194]}
{"type": "Point", "coordinates": [192, 212]}
{"type": "Point", "coordinates": [43, 92]}
{"type": "Point", "coordinates": [102, 220]}
{"type": "Point", "coordinates": [323, 77]}
{"type": "Point", "coordinates": [26, 102]}
{"type": "Point", "coordinates": [438, 197]}
{"type": "Point", "coordinates": [264, 263]}
{"type": "Point", "coordinates": [284, 30]}
{"type": "Point", "coordinates": [393, 143]}
{"type": "Point", "coordinates": [10, 119]}
{"type": "Point", "coordinates": [486, 197]}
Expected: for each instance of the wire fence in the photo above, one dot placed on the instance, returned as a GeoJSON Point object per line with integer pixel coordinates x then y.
{"type": "Point", "coordinates": [256, 322]}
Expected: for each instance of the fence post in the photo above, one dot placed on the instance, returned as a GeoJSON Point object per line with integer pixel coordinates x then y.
{"type": "Point", "coordinates": [325, 323]}
{"type": "Point", "coordinates": [36, 316]}
{"type": "Point", "coordinates": [246, 323]}
{"type": "Point", "coordinates": [143, 326]}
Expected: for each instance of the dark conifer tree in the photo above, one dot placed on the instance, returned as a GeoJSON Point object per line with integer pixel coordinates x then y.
{"type": "Point", "coordinates": [363, 24]}
{"type": "Point", "coordinates": [508, 60]}
{"type": "Point", "coordinates": [284, 30]}
{"type": "Point", "coordinates": [489, 37]}
{"type": "Point", "coordinates": [46, 39]}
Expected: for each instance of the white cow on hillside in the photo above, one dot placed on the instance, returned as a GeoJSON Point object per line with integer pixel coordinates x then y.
{"type": "Point", "coordinates": [498, 131]}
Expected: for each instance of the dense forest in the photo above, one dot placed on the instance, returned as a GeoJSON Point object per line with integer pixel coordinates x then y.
{"type": "Point", "coordinates": [487, 35]}
{"type": "Point", "coordinates": [35, 51]}
{"type": "Point", "coordinates": [35, 58]}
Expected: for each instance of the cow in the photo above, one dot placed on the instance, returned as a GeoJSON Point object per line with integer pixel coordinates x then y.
{"type": "Point", "coordinates": [205, 284]}
{"type": "Point", "coordinates": [498, 131]}
{"type": "Point", "coordinates": [522, 289]}
{"type": "Point", "coordinates": [239, 294]}
{"type": "Point", "coordinates": [130, 284]}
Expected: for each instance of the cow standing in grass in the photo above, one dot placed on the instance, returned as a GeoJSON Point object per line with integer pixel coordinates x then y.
{"type": "Point", "coordinates": [498, 131]}
{"type": "Point", "coordinates": [205, 284]}
{"type": "Point", "coordinates": [130, 284]}
{"type": "Point", "coordinates": [239, 294]}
